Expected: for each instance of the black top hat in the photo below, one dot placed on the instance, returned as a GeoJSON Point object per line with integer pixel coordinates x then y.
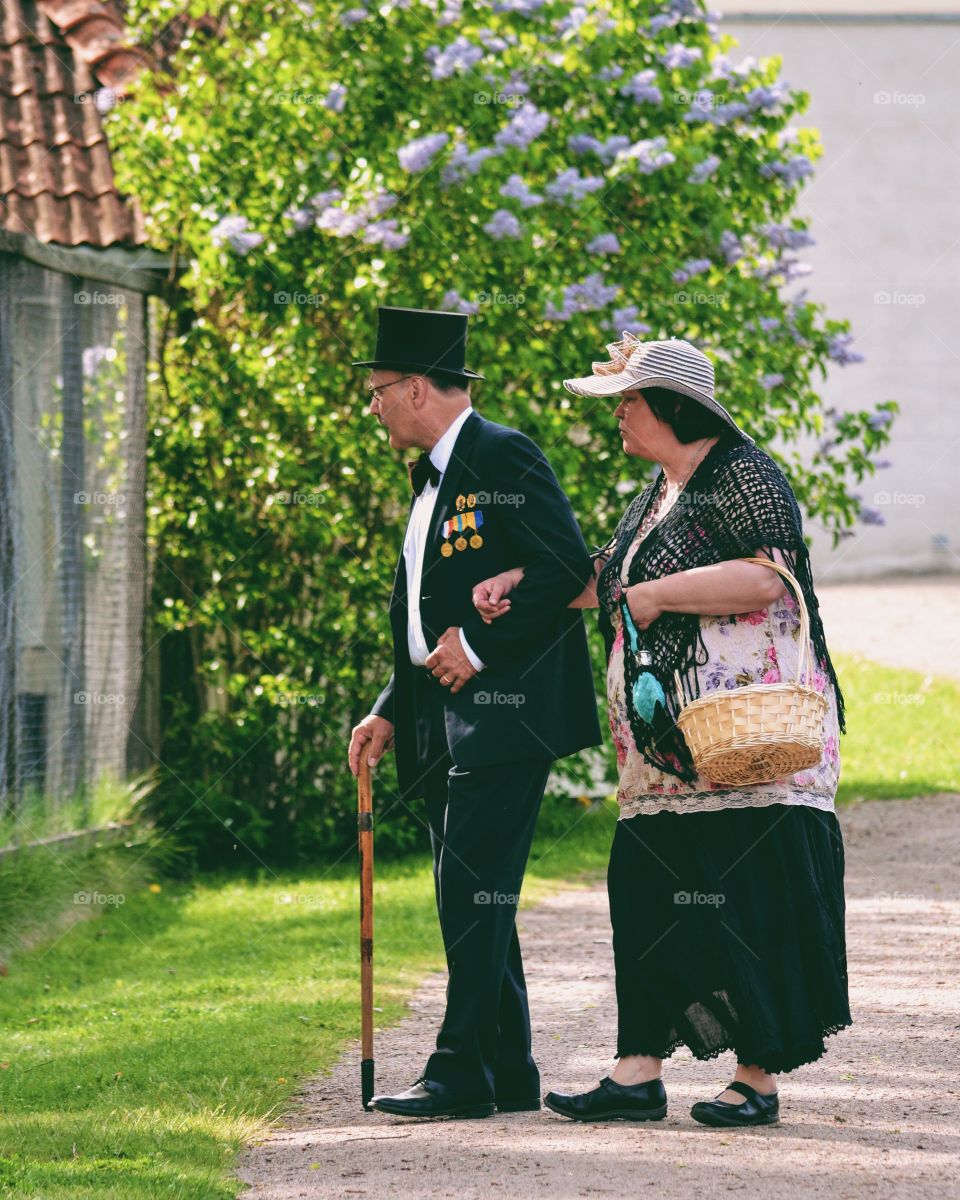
{"type": "Point", "coordinates": [419, 339]}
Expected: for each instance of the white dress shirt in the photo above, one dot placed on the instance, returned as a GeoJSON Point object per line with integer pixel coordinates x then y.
{"type": "Point", "coordinates": [415, 544]}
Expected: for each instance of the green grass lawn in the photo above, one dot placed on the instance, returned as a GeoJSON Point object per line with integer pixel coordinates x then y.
{"type": "Point", "coordinates": [141, 1049]}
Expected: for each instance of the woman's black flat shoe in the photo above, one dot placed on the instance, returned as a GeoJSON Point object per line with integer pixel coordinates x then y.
{"type": "Point", "coordinates": [612, 1101]}
{"type": "Point", "coordinates": [756, 1109]}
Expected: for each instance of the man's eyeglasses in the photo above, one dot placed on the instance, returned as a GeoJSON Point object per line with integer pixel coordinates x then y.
{"type": "Point", "coordinates": [375, 393]}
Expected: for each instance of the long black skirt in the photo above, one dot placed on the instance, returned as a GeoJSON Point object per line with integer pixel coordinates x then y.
{"type": "Point", "coordinates": [728, 933]}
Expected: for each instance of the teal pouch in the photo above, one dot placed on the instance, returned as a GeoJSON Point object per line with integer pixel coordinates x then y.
{"type": "Point", "coordinates": [647, 692]}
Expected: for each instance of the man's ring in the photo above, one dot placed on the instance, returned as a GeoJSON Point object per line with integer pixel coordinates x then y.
{"type": "Point", "coordinates": [444, 679]}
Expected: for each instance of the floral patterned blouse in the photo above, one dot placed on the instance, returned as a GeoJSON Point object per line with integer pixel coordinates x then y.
{"type": "Point", "coordinates": [746, 648]}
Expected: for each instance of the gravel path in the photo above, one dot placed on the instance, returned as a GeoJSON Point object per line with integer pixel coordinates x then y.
{"type": "Point", "coordinates": [906, 622]}
{"type": "Point", "coordinates": [876, 1117]}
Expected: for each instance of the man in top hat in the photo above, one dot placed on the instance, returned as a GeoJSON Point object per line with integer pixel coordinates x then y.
{"type": "Point", "coordinates": [476, 712]}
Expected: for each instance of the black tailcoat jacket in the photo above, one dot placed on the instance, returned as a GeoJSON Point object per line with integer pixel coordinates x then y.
{"type": "Point", "coordinates": [535, 697]}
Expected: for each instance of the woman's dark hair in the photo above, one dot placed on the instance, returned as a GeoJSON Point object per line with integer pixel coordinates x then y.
{"type": "Point", "coordinates": [688, 419]}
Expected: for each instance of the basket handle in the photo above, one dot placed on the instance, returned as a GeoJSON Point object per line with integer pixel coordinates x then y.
{"type": "Point", "coordinates": [804, 658]}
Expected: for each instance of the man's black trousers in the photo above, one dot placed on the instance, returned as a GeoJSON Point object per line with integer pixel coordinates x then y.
{"type": "Point", "coordinates": [481, 827]}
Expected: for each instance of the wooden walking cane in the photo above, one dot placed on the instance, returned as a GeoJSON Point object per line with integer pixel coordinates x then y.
{"type": "Point", "coordinates": [365, 838]}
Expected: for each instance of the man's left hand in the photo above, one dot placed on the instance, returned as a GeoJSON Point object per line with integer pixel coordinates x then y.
{"type": "Point", "coordinates": [449, 663]}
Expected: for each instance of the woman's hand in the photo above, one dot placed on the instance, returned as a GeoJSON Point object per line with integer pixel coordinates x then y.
{"type": "Point", "coordinates": [489, 596]}
{"type": "Point", "coordinates": [643, 603]}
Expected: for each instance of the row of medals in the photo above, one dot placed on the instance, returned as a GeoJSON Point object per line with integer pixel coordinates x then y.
{"type": "Point", "coordinates": [461, 543]}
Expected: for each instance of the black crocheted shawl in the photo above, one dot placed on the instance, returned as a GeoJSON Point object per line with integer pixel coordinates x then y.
{"type": "Point", "coordinates": [736, 502]}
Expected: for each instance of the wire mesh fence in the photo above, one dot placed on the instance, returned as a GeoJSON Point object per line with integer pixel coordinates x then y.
{"type": "Point", "coordinates": [73, 560]}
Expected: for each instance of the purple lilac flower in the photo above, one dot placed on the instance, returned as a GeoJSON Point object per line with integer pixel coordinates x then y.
{"type": "Point", "coordinates": [871, 516]}
{"type": "Point", "coordinates": [768, 382]}
{"type": "Point", "coordinates": [463, 162]}
{"type": "Point", "coordinates": [791, 171]}
{"type": "Point", "coordinates": [768, 97]}
{"type": "Point", "coordinates": [386, 234]}
{"type": "Point", "coordinates": [104, 99]}
{"type": "Point", "coordinates": [723, 114]}
{"type": "Point", "coordinates": [839, 349]}
{"type": "Point", "coordinates": [453, 302]}
{"type": "Point", "coordinates": [92, 357]}
{"type": "Point", "coordinates": [785, 236]}
{"type": "Point", "coordinates": [651, 154]}
{"type": "Point", "coordinates": [606, 74]}
{"type": "Point", "coordinates": [625, 319]}
{"type": "Point", "coordinates": [604, 243]}
{"type": "Point", "coordinates": [524, 127]}
{"type": "Point", "coordinates": [589, 296]}
{"type": "Point", "coordinates": [661, 21]}
{"type": "Point", "coordinates": [452, 12]}
{"type": "Point", "coordinates": [880, 420]}
{"type": "Point", "coordinates": [572, 21]}
{"type": "Point", "coordinates": [302, 217]}
{"type": "Point", "coordinates": [584, 143]}
{"type": "Point", "coordinates": [502, 225]}
{"type": "Point", "coordinates": [570, 185]}
{"type": "Point", "coordinates": [419, 154]}
{"type": "Point", "coordinates": [353, 16]}
{"type": "Point", "coordinates": [516, 188]}
{"type": "Point", "coordinates": [730, 247]}
{"type": "Point", "coordinates": [235, 231]}
{"type": "Point", "coordinates": [693, 266]}
{"type": "Point", "coordinates": [336, 98]}
{"type": "Point", "coordinates": [493, 42]}
{"type": "Point", "coordinates": [460, 55]}
{"type": "Point", "coordinates": [768, 324]}
{"type": "Point", "coordinates": [792, 268]}
{"type": "Point", "coordinates": [703, 170]}
{"type": "Point", "coordinates": [642, 88]}
{"type": "Point", "coordinates": [524, 7]}
{"type": "Point", "coordinates": [339, 221]}
{"type": "Point", "coordinates": [679, 56]}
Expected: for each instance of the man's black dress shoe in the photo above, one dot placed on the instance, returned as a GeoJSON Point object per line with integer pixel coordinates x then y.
{"type": "Point", "coordinates": [642, 1102]}
{"type": "Point", "coordinates": [756, 1109]}
{"type": "Point", "coordinates": [427, 1098]}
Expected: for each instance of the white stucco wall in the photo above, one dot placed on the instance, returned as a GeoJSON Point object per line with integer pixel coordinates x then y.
{"type": "Point", "coordinates": [884, 205]}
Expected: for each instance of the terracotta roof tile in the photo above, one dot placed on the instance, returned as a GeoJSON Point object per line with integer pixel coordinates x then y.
{"type": "Point", "coordinates": [56, 178]}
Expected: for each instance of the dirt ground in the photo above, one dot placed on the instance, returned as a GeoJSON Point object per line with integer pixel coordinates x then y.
{"type": "Point", "coordinates": [878, 1116]}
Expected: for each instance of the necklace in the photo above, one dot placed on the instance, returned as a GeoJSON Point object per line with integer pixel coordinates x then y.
{"type": "Point", "coordinates": [658, 510]}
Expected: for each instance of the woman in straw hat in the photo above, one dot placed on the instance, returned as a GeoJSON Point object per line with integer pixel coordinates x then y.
{"type": "Point", "coordinates": [726, 902]}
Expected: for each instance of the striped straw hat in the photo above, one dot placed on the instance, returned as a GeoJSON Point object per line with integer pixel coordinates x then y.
{"type": "Point", "coordinates": [673, 364]}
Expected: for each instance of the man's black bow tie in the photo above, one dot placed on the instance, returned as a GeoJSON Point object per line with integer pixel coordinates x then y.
{"type": "Point", "coordinates": [423, 472]}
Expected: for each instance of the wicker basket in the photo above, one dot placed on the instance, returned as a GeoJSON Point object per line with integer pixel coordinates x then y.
{"type": "Point", "coordinates": [761, 732]}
